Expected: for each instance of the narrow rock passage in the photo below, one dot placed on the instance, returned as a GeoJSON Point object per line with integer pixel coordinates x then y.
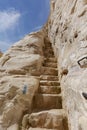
{"type": "Point", "coordinates": [48, 113]}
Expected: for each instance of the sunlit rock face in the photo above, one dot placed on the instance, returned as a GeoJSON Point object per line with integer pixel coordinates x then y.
{"type": "Point", "coordinates": [24, 57]}
{"type": "Point", "coordinates": [20, 67]}
{"type": "Point", "coordinates": [67, 31]}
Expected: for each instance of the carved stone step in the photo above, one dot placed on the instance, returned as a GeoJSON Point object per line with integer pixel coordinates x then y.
{"type": "Point", "coordinates": [48, 77]}
{"type": "Point", "coordinates": [49, 55]}
{"type": "Point", "coordinates": [52, 119]}
{"type": "Point", "coordinates": [47, 49]}
{"type": "Point", "coordinates": [50, 64]}
{"type": "Point", "coordinates": [49, 52]}
{"type": "Point", "coordinates": [48, 46]}
{"type": "Point", "coordinates": [51, 60]}
{"type": "Point", "coordinates": [49, 83]}
{"type": "Point", "coordinates": [47, 101]}
{"type": "Point", "coordinates": [49, 71]}
{"type": "Point", "coordinates": [40, 129]}
{"type": "Point", "coordinates": [49, 89]}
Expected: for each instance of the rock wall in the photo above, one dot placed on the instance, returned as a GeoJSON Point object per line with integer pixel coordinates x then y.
{"type": "Point", "coordinates": [20, 68]}
{"type": "Point", "coordinates": [67, 31]}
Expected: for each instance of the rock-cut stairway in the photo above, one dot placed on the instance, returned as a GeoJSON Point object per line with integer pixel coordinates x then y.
{"type": "Point", "coordinates": [48, 113]}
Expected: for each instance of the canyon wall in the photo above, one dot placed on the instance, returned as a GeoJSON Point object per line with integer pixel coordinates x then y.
{"type": "Point", "coordinates": [67, 31]}
{"type": "Point", "coordinates": [21, 67]}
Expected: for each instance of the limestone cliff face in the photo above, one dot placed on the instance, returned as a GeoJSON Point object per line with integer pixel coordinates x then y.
{"type": "Point", "coordinates": [20, 66]}
{"type": "Point", "coordinates": [67, 31]}
{"type": "Point", "coordinates": [28, 70]}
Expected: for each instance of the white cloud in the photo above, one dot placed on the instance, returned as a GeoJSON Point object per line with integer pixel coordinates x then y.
{"type": "Point", "coordinates": [8, 19]}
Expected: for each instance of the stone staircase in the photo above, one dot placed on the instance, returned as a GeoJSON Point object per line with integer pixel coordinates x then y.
{"type": "Point", "coordinates": [48, 113]}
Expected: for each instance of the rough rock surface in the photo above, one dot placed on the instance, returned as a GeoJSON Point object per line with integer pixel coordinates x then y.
{"type": "Point", "coordinates": [20, 66]}
{"type": "Point", "coordinates": [67, 31]}
{"type": "Point", "coordinates": [30, 62]}
{"type": "Point", "coordinates": [13, 127]}
{"type": "Point", "coordinates": [47, 112]}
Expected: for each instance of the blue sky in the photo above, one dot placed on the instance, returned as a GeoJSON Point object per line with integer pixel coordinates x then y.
{"type": "Point", "coordinates": [20, 17]}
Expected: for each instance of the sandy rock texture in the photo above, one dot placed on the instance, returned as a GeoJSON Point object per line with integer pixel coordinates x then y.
{"type": "Point", "coordinates": [67, 31]}
{"type": "Point", "coordinates": [20, 68]}
{"type": "Point", "coordinates": [13, 127]}
{"type": "Point", "coordinates": [24, 57]}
